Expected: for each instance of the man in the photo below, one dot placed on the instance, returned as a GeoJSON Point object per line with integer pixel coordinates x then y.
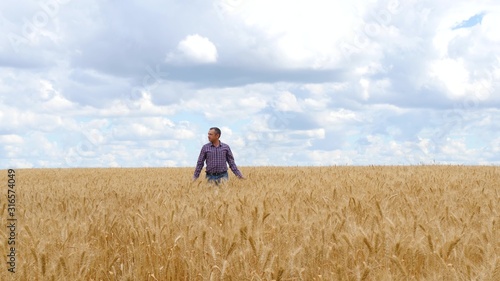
{"type": "Point", "coordinates": [216, 154]}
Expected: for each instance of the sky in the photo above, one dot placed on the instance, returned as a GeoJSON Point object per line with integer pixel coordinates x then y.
{"type": "Point", "coordinates": [320, 82]}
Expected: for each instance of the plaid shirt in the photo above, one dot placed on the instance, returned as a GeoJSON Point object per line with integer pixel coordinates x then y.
{"type": "Point", "coordinates": [216, 158]}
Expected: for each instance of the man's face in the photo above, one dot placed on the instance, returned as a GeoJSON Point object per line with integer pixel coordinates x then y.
{"type": "Point", "coordinates": [212, 136]}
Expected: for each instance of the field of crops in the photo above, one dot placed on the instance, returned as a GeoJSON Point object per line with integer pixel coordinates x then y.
{"type": "Point", "coordinates": [314, 223]}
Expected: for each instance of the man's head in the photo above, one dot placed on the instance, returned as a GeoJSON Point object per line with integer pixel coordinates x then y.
{"type": "Point", "coordinates": [214, 134]}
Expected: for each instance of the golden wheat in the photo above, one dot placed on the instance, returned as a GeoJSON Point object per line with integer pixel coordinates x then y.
{"type": "Point", "coordinates": [282, 223]}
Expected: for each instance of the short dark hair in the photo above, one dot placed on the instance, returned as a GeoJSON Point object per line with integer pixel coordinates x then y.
{"type": "Point", "coordinates": [217, 130]}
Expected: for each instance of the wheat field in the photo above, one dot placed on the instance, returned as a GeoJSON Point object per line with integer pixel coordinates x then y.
{"type": "Point", "coordinates": [282, 223]}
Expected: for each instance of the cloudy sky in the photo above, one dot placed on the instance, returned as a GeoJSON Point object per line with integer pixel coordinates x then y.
{"type": "Point", "coordinates": [320, 82]}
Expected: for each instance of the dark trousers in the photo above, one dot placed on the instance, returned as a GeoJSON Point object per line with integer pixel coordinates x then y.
{"type": "Point", "coordinates": [217, 178]}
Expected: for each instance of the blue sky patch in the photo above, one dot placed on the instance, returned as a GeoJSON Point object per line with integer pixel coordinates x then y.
{"type": "Point", "coordinates": [472, 21]}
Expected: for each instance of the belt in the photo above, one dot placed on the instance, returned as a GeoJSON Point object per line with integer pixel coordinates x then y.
{"type": "Point", "coordinates": [216, 174]}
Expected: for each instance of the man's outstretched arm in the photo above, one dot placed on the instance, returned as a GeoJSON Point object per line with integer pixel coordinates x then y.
{"type": "Point", "coordinates": [199, 164]}
{"type": "Point", "coordinates": [232, 164]}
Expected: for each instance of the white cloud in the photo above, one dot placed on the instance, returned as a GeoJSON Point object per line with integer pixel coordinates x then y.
{"type": "Point", "coordinates": [287, 101]}
{"type": "Point", "coordinates": [151, 128]}
{"type": "Point", "coordinates": [340, 116]}
{"type": "Point", "coordinates": [453, 74]}
{"type": "Point", "coordinates": [300, 34]}
{"type": "Point", "coordinates": [194, 49]}
{"type": "Point", "coordinates": [11, 139]}
{"type": "Point", "coordinates": [252, 102]}
{"type": "Point", "coordinates": [489, 26]}
{"type": "Point", "coordinates": [322, 158]}
{"type": "Point", "coordinates": [365, 85]}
